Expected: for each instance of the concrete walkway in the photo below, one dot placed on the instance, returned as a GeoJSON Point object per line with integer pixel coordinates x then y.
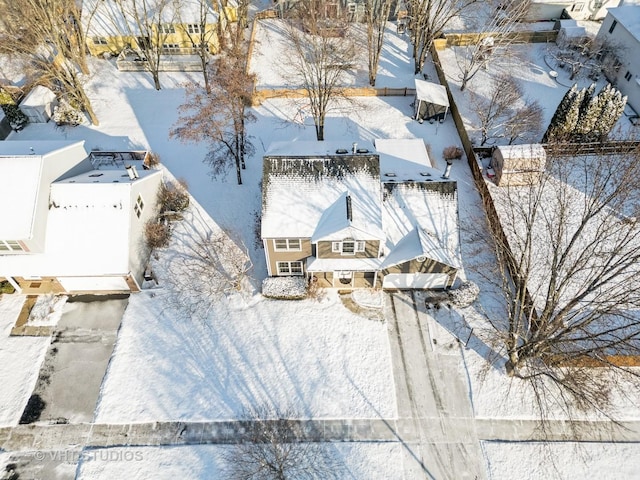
{"type": "Point", "coordinates": [42, 437]}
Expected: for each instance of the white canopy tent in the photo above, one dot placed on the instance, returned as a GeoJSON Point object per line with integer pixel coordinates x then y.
{"type": "Point", "coordinates": [431, 101]}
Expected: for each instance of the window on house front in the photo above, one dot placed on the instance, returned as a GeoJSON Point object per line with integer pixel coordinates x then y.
{"type": "Point", "coordinates": [10, 246]}
{"type": "Point", "coordinates": [287, 244]}
{"type": "Point", "coordinates": [289, 268]}
{"type": "Point", "coordinates": [577, 7]}
{"type": "Point", "coordinates": [170, 48]}
{"type": "Point", "coordinates": [99, 41]}
{"type": "Point", "coordinates": [613, 25]}
{"type": "Point", "coordinates": [627, 76]}
{"type": "Point", "coordinates": [193, 28]}
{"type": "Point", "coordinates": [167, 28]}
{"type": "Point", "coordinates": [347, 247]}
{"type": "Point", "coordinates": [139, 206]}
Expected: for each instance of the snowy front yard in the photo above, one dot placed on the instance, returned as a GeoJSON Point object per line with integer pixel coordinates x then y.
{"type": "Point", "coordinates": [311, 356]}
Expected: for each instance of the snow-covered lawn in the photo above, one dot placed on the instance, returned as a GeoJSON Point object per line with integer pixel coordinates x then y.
{"type": "Point", "coordinates": [20, 360]}
{"type": "Point", "coordinates": [358, 460]}
{"type": "Point", "coordinates": [308, 356]}
{"type": "Point", "coordinates": [565, 460]}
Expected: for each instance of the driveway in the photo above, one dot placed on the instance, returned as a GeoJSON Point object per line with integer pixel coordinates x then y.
{"type": "Point", "coordinates": [72, 372]}
{"type": "Point", "coordinates": [436, 423]}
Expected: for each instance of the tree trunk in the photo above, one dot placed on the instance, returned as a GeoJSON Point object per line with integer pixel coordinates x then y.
{"type": "Point", "coordinates": [156, 79]}
{"type": "Point", "coordinates": [238, 171]}
{"type": "Point", "coordinates": [320, 132]}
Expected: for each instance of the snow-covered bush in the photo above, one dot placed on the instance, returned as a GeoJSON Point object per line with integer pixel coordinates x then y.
{"type": "Point", "coordinates": [17, 119]}
{"type": "Point", "coordinates": [285, 288]}
{"type": "Point", "coordinates": [465, 295]}
{"type": "Point", "coordinates": [66, 114]}
{"type": "Point", "coordinates": [452, 152]}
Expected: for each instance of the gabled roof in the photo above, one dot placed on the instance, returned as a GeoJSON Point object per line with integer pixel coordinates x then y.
{"type": "Point", "coordinates": [22, 165]}
{"type": "Point", "coordinates": [335, 224]}
{"type": "Point", "coordinates": [420, 243]}
{"type": "Point", "coordinates": [421, 219]}
{"type": "Point", "coordinates": [304, 188]}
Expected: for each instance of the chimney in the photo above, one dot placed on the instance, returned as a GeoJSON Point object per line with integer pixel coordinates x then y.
{"type": "Point", "coordinates": [349, 211]}
{"type": "Point", "coordinates": [355, 147]}
{"type": "Point", "coordinates": [131, 172]}
{"type": "Point", "coordinates": [447, 170]}
{"type": "Point", "coordinates": [135, 171]}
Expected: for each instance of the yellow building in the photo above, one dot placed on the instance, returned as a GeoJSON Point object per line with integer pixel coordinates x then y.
{"type": "Point", "coordinates": [179, 27]}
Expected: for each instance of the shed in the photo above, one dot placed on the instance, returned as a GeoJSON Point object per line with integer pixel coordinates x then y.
{"type": "Point", "coordinates": [431, 101]}
{"type": "Point", "coordinates": [516, 165]}
{"type": "Point", "coordinates": [38, 104]}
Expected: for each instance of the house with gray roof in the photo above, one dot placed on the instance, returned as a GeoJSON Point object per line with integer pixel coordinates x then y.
{"type": "Point", "coordinates": [361, 215]}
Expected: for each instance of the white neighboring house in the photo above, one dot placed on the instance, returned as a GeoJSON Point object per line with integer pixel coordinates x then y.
{"type": "Point", "coordinates": [74, 223]}
{"type": "Point", "coordinates": [621, 28]}
{"type": "Point", "coordinates": [577, 9]}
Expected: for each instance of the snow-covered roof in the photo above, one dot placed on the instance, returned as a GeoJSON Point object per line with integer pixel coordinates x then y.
{"type": "Point", "coordinates": [87, 231]}
{"type": "Point", "coordinates": [38, 96]}
{"type": "Point", "coordinates": [431, 92]}
{"type": "Point", "coordinates": [305, 189]}
{"type": "Point", "coordinates": [404, 159]}
{"type": "Point", "coordinates": [21, 169]}
{"type": "Point", "coordinates": [309, 148]}
{"type": "Point", "coordinates": [629, 17]}
{"type": "Point", "coordinates": [341, 221]}
{"type": "Point", "coordinates": [106, 18]}
{"type": "Point", "coordinates": [106, 176]}
{"type": "Point", "coordinates": [421, 219]}
{"type": "Point", "coordinates": [524, 151]}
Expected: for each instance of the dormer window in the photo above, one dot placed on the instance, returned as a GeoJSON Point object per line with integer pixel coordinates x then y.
{"type": "Point", "coordinates": [347, 247]}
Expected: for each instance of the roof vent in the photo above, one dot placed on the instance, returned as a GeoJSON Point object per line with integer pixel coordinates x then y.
{"type": "Point", "coordinates": [362, 150]}
{"type": "Point", "coordinates": [349, 210]}
{"type": "Point", "coordinates": [342, 151]}
{"type": "Point", "coordinates": [389, 174]}
{"type": "Point", "coordinates": [354, 147]}
{"type": "Point", "coordinates": [425, 174]}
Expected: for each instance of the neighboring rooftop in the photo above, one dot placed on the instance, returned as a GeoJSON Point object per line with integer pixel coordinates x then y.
{"type": "Point", "coordinates": [629, 17]}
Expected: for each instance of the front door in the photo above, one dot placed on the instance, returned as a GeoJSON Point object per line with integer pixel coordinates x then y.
{"type": "Point", "coordinates": [343, 278]}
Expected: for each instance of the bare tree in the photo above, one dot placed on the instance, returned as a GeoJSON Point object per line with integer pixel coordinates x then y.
{"type": "Point", "coordinates": [276, 446]}
{"type": "Point", "coordinates": [504, 112]}
{"type": "Point", "coordinates": [48, 39]}
{"type": "Point", "coordinates": [324, 51]}
{"type": "Point", "coordinates": [493, 40]}
{"type": "Point", "coordinates": [376, 15]}
{"type": "Point", "coordinates": [587, 56]}
{"type": "Point", "coordinates": [428, 19]}
{"type": "Point", "coordinates": [569, 262]}
{"type": "Point", "coordinates": [204, 267]}
{"type": "Point", "coordinates": [220, 116]}
{"type": "Point", "coordinates": [200, 32]}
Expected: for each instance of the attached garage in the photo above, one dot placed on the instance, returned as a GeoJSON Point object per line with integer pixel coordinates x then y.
{"type": "Point", "coordinates": [415, 280]}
